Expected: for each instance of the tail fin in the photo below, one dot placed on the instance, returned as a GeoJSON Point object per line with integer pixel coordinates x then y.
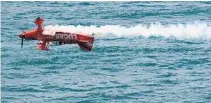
{"type": "Point", "coordinates": [87, 46]}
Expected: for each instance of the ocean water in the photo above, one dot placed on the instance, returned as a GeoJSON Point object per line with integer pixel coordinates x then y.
{"type": "Point", "coordinates": [144, 52]}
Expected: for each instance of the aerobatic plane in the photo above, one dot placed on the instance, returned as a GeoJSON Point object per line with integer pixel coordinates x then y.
{"type": "Point", "coordinates": [44, 37]}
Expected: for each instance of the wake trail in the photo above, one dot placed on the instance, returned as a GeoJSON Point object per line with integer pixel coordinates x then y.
{"type": "Point", "coordinates": [191, 30]}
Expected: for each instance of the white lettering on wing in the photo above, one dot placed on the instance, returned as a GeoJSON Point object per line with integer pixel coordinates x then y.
{"type": "Point", "coordinates": [65, 36]}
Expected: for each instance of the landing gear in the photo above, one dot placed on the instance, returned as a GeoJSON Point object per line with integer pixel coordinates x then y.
{"type": "Point", "coordinates": [42, 45]}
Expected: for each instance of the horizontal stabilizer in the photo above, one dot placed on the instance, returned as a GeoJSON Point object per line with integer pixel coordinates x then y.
{"type": "Point", "coordinates": [84, 41]}
{"type": "Point", "coordinates": [87, 46]}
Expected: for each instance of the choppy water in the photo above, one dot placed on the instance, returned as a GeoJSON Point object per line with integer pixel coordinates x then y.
{"type": "Point", "coordinates": [143, 52]}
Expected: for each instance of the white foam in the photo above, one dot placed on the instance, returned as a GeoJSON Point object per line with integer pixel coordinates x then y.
{"type": "Point", "coordinates": [190, 30]}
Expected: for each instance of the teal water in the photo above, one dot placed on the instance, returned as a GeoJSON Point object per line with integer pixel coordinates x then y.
{"type": "Point", "coordinates": [150, 52]}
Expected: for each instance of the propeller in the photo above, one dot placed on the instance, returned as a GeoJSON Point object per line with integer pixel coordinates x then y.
{"type": "Point", "coordinates": [22, 36]}
{"type": "Point", "coordinates": [21, 42]}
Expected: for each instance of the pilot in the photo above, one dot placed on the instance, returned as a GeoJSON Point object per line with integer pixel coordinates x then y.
{"type": "Point", "coordinates": [38, 19]}
{"type": "Point", "coordinates": [39, 22]}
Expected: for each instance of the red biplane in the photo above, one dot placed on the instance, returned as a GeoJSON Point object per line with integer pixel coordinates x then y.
{"type": "Point", "coordinates": [44, 37]}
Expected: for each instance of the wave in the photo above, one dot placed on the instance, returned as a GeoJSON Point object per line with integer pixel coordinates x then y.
{"type": "Point", "coordinates": [189, 30]}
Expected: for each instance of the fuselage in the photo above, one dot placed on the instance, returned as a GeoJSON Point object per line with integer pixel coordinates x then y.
{"type": "Point", "coordinates": [65, 37]}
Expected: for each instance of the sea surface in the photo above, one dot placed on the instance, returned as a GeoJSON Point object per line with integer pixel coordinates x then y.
{"type": "Point", "coordinates": [144, 52]}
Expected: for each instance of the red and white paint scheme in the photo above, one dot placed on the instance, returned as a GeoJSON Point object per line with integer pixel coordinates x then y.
{"type": "Point", "coordinates": [44, 37]}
